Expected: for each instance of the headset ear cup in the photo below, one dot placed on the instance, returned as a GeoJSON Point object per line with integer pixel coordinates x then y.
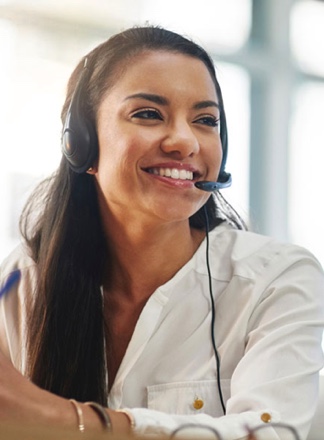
{"type": "Point", "coordinates": [79, 137]}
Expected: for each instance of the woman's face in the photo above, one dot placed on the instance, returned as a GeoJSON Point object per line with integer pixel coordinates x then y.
{"type": "Point", "coordinates": [158, 134]}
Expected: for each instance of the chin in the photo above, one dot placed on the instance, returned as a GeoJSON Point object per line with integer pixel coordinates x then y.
{"type": "Point", "coordinates": [175, 214]}
{"type": "Point", "coordinates": [173, 208]}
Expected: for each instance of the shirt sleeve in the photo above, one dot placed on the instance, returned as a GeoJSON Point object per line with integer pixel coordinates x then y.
{"type": "Point", "coordinates": [13, 328]}
{"type": "Point", "coordinates": [276, 380]}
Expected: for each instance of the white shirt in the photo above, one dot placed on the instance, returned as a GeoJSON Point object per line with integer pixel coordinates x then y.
{"type": "Point", "coordinates": [269, 301]}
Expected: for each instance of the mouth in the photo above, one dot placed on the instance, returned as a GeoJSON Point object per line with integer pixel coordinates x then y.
{"type": "Point", "coordinates": [173, 173]}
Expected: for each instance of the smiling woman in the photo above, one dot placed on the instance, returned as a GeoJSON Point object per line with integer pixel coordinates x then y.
{"type": "Point", "coordinates": [144, 303]}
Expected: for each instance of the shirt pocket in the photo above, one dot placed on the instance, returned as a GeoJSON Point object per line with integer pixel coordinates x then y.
{"type": "Point", "coordinates": [188, 397]}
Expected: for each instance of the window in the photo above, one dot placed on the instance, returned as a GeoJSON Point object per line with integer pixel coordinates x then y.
{"type": "Point", "coordinates": [307, 35]}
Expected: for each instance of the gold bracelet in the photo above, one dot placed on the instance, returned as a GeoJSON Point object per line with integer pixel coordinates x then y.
{"type": "Point", "coordinates": [102, 413]}
{"type": "Point", "coordinates": [79, 413]}
{"type": "Point", "coordinates": [129, 416]}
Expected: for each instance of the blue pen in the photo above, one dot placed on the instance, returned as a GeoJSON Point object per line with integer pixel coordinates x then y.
{"type": "Point", "coordinates": [12, 279]}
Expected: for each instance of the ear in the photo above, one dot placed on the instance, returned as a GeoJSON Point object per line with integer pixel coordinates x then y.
{"type": "Point", "coordinates": [92, 170]}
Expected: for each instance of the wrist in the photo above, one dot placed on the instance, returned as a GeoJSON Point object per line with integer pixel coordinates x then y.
{"type": "Point", "coordinates": [120, 421]}
{"type": "Point", "coordinates": [66, 414]}
{"type": "Point", "coordinates": [89, 417]}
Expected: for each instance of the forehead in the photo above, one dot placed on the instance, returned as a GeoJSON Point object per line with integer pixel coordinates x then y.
{"type": "Point", "coordinates": [165, 72]}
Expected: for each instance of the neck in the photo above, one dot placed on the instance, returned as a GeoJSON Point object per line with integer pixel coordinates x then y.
{"type": "Point", "coordinates": [143, 257]}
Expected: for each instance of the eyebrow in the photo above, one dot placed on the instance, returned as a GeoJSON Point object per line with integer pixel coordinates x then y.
{"type": "Point", "coordinates": [161, 100]}
{"type": "Point", "coordinates": [205, 104]}
{"type": "Point", "coordinates": [157, 99]}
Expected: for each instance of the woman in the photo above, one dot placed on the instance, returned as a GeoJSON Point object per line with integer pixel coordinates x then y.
{"type": "Point", "coordinates": [140, 290]}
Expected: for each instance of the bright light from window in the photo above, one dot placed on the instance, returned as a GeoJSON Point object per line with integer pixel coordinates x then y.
{"type": "Point", "coordinates": [307, 35]}
{"type": "Point", "coordinates": [235, 85]}
{"type": "Point", "coordinates": [223, 24]}
{"type": "Point", "coordinates": [306, 177]}
{"type": "Point", "coordinates": [32, 90]}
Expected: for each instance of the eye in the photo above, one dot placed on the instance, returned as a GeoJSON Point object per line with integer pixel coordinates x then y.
{"type": "Point", "coordinates": [210, 121]}
{"type": "Point", "coordinates": [147, 113]}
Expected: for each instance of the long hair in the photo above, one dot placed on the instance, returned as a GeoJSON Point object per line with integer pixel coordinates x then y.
{"type": "Point", "coordinates": [62, 228]}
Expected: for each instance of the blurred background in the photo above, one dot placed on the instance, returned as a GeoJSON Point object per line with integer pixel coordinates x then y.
{"type": "Point", "coordinates": [269, 56]}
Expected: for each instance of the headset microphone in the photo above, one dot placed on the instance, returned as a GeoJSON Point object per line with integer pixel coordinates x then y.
{"type": "Point", "coordinates": [209, 186]}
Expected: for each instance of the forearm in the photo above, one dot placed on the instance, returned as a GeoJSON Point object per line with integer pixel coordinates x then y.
{"type": "Point", "coordinates": [22, 400]}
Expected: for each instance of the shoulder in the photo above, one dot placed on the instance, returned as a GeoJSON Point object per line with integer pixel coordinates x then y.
{"type": "Point", "coordinates": [263, 271]}
{"type": "Point", "coordinates": [251, 255]}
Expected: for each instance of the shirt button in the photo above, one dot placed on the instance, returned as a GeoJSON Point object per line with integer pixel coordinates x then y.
{"type": "Point", "coordinates": [198, 403]}
{"type": "Point", "coordinates": [266, 417]}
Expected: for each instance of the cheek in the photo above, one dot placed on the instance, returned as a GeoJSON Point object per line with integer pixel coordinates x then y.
{"type": "Point", "coordinates": [215, 155]}
{"type": "Point", "coordinates": [118, 157]}
{"type": "Point", "coordinates": [122, 152]}
{"type": "Point", "coordinates": [219, 154]}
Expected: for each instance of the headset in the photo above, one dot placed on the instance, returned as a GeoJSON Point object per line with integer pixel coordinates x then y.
{"type": "Point", "coordinates": [80, 142]}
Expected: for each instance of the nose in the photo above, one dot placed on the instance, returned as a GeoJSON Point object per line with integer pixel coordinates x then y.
{"type": "Point", "coordinates": [180, 141]}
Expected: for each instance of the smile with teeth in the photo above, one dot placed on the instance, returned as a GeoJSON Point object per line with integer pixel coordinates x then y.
{"type": "Point", "coordinates": [173, 173]}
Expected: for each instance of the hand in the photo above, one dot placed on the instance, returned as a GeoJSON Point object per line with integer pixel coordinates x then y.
{"type": "Point", "coordinates": [21, 400]}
